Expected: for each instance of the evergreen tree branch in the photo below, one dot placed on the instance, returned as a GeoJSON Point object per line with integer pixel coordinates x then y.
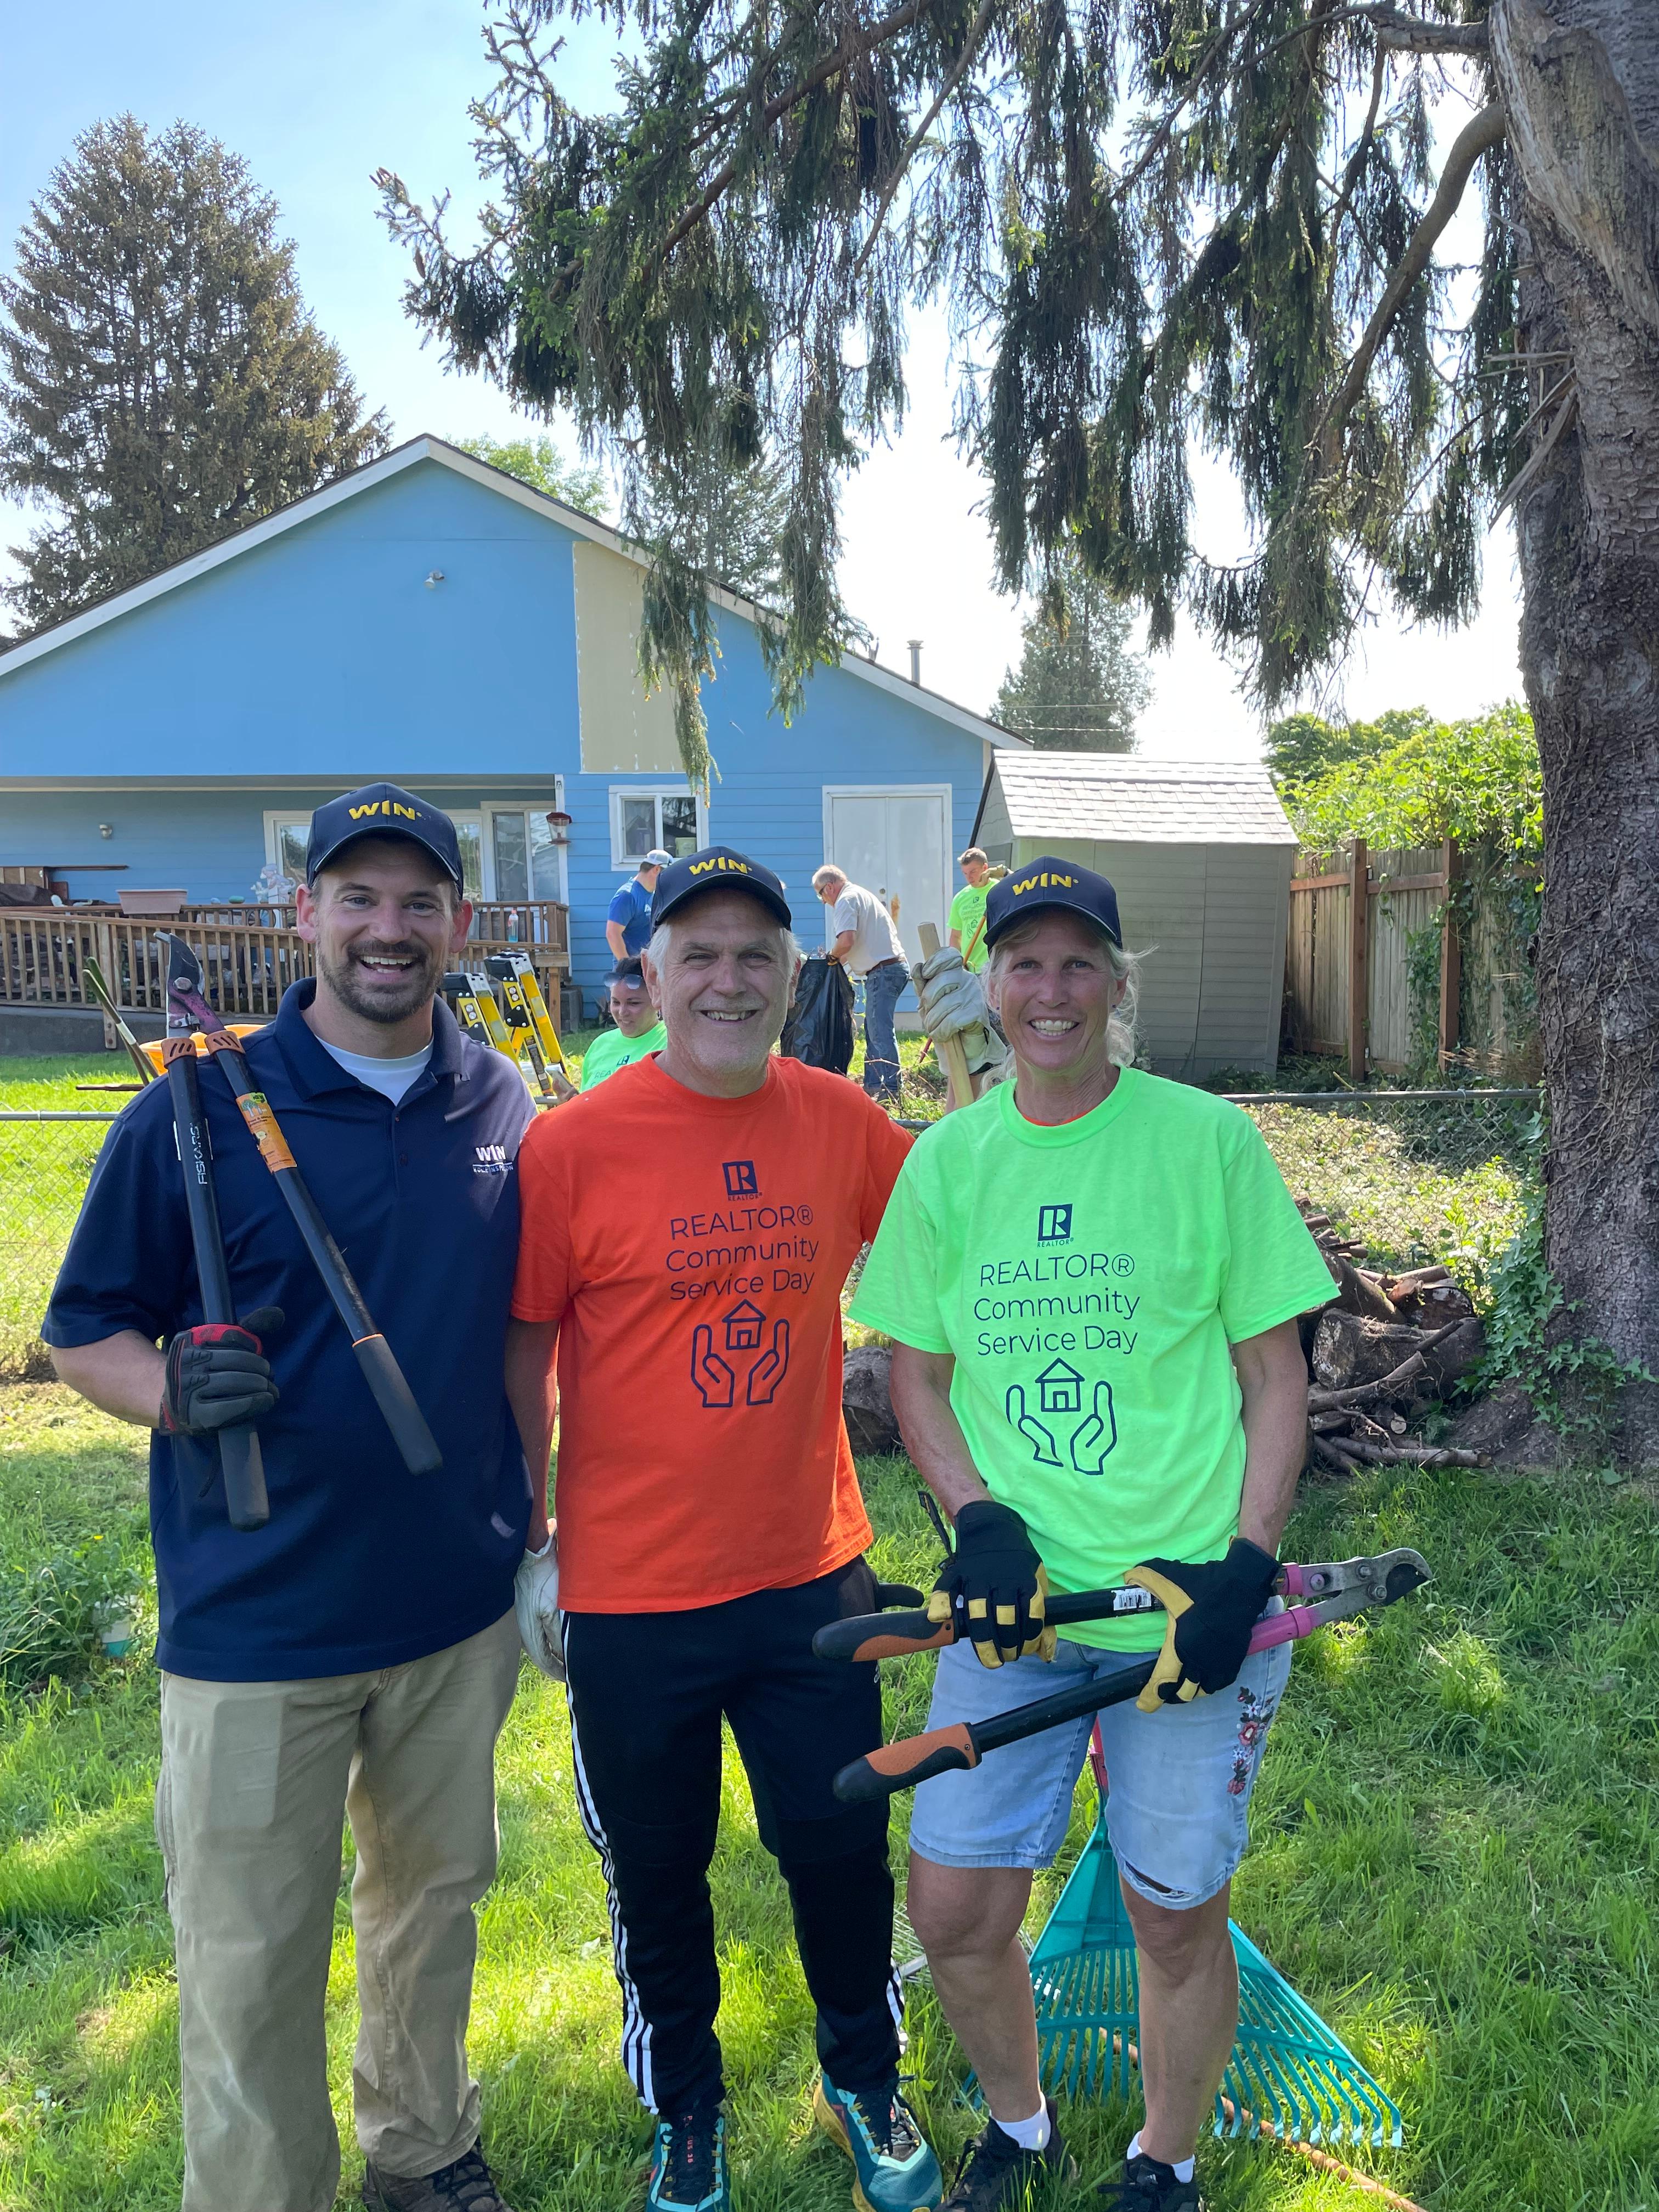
{"type": "Point", "coordinates": [980, 25]}
{"type": "Point", "coordinates": [849, 49]}
{"type": "Point", "coordinates": [1478, 137]}
{"type": "Point", "coordinates": [1357, 159]}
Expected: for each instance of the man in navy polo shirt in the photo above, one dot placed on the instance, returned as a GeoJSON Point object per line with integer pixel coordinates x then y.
{"type": "Point", "coordinates": [357, 1655]}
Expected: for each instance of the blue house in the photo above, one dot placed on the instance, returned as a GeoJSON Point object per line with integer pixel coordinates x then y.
{"type": "Point", "coordinates": [433, 621]}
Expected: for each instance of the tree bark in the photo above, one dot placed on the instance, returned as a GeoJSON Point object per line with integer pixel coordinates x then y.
{"type": "Point", "coordinates": [1580, 82]}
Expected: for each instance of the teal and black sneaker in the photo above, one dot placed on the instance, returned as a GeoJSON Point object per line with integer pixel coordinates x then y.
{"type": "Point", "coordinates": [894, 2170]}
{"type": "Point", "coordinates": [688, 2164]}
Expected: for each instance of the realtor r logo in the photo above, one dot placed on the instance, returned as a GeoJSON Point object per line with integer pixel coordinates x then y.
{"type": "Point", "coordinates": [740, 1179]}
{"type": "Point", "coordinates": [1054, 1224]}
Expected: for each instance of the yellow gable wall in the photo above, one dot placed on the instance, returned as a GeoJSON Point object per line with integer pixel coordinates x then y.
{"type": "Point", "coordinates": [623, 731]}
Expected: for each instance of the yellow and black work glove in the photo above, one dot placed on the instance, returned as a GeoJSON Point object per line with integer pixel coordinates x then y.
{"type": "Point", "coordinates": [992, 1588]}
{"type": "Point", "coordinates": [1213, 1607]}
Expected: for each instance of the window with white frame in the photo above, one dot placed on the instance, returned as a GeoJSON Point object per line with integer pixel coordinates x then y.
{"type": "Point", "coordinates": [286, 838]}
{"type": "Point", "coordinates": [649, 818]}
{"type": "Point", "coordinates": [524, 850]}
{"type": "Point", "coordinates": [502, 847]}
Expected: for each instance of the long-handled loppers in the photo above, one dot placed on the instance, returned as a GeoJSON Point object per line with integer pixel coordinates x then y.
{"type": "Point", "coordinates": [187, 1004]}
{"type": "Point", "coordinates": [896, 1635]}
{"type": "Point", "coordinates": [239, 1448]}
{"type": "Point", "coordinates": [105, 998]}
{"type": "Point", "coordinates": [1354, 1586]}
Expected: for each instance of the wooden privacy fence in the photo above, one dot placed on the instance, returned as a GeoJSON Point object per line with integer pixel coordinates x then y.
{"type": "Point", "coordinates": [249, 960]}
{"type": "Point", "coordinates": [1347, 955]}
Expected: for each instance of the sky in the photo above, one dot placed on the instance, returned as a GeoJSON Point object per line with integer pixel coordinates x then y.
{"type": "Point", "coordinates": [316, 97]}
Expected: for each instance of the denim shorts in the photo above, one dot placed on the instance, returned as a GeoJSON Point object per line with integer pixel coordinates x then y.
{"type": "Point", "coordinates": [1179, 1780]}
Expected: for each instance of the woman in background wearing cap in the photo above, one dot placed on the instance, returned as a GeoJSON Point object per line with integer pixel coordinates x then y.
{"type": "Point", "coordinates": [1091, 1276]}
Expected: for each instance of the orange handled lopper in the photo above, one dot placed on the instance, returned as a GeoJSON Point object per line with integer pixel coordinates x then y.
{"type": "Point", "coordinates": [1356, 1586]}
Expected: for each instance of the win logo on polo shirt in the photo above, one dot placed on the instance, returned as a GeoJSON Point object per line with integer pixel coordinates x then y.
{"type": "Point", "coordinates": [740, 1181]}
{"type": "Point", "coordinates": [491, 1159]}
{"type": "Point", "coordinates": [1054, 1224]}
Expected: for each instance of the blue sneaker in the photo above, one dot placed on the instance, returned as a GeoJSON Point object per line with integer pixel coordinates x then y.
{"type": "Point", "coordinates": [894, 2170]}
{"type": "Point", "coordinates": [688, 2164]}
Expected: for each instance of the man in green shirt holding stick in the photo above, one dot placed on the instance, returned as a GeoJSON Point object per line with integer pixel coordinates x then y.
{"type": "Point", "coordinates": [967, 919]}
{"type": "Point", "coordinates": [1091, 1277]}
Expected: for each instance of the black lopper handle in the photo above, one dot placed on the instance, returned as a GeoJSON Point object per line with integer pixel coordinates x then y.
{"type": "Point", "coordinates": [900, 1766]}
{"type": "Point", "coordinates": [895, 1635]}
{"type": "Point", "coordinates": [245, 1477]}
{"type": "Point", "coordinates": [397, 1403]}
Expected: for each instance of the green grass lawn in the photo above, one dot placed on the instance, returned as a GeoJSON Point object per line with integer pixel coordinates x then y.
{"type": "Point", "coordinates": [1455, 1859]}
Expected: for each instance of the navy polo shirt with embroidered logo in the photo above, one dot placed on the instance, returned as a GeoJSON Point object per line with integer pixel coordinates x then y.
{"type": "Point", "coordinates": [361, 1564]}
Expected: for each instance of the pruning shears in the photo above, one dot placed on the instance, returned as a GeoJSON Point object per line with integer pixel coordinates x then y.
{"type": "Point", "coordinates": [1353, 1584]}
{"type": "Point", "coordinates": [1334, 1590]}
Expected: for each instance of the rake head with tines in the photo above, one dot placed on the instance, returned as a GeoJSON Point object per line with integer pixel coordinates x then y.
{"type": "Point", "coordinates": [1288, 2076]}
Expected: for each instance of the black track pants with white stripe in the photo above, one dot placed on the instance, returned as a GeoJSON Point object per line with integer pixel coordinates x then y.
{"type": "Point", "coordinates": [647, 1692]}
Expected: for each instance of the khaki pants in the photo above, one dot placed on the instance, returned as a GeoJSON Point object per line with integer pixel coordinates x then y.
{"type": "Point", "coordinates": [255, 1777]}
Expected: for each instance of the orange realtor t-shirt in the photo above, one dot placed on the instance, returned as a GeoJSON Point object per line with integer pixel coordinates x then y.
{"type": "Point", "coordinates": [693, 1251]}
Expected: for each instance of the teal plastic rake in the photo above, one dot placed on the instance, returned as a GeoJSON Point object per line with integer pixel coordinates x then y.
{"type": "Point", "coordinates": [1289, 2076]}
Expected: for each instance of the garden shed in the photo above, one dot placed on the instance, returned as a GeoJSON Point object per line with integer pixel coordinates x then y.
{"type": "Point", "coordinates": [1200, 853]}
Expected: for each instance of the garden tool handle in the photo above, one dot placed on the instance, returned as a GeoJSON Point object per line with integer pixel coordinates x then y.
{"type": "Point", "coordinates": [892, 1635]}
{"type": "Point", "coordinates": [953, 1055]}
{"type": "Point", "coordinates": [911, 1759]}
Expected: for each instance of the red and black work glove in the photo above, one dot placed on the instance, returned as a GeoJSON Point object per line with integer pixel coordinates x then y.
{"type": "Point", "coordinates": [992, 1588]}
{"type": "Point", "coordinates": [1211, 1607]}
{"type": "Point", "coordinates": [217, 1375]}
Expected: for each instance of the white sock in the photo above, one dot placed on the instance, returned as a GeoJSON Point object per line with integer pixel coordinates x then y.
{"type": "Point", "coordinates": [1182, 2168]}
{"type": "Point", "coordinates": [1032, 2134]}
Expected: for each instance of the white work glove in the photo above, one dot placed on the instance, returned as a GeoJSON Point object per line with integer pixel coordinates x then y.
{"type": "Point", "coordinates": [953, 1000]}
{"type": "Point", "coordinates": [536, 1606]}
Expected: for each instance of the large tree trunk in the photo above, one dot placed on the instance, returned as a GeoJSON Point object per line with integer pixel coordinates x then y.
{"type": "Point", "coordinates": [1580, 81]}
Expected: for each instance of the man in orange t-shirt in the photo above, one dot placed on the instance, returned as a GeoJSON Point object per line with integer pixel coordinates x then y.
{"type": "Point", "coordinates": [685, 1240]}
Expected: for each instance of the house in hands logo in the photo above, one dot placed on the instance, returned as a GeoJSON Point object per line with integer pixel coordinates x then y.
{"type": "Point", "coordinates": [743, 1329]}
{"type": "Point", "coordinates": [1060, 1394]}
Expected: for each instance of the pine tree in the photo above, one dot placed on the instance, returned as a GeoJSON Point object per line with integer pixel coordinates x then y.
{"type": "Point", "coordinates": [1077, 687]}
{"type": "Point", "coordinates": [1178, 222]}
{"type": "Point", "coordinates": [163, 383]}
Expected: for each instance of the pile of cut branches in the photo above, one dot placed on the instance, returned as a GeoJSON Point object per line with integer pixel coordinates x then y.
{"type": "Point", "coordinates": [1380, 1355]}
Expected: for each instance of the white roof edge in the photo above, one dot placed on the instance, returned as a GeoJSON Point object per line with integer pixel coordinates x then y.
{"type": "Point", "coordinates": [426, 447]}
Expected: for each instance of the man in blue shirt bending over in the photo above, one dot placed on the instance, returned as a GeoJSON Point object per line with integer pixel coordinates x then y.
{"type": "Point", "coordinates": [357, 1654]}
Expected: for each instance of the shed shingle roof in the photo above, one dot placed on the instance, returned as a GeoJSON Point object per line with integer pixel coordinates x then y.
{"type": "Point", "coordinates": [1122, 799]}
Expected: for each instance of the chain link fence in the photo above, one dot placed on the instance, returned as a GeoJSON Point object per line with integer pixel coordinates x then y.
{"type": "Point", "coordinates": [1420, 1176]}
{"type": "Point", "coordinates": [46, 1161]}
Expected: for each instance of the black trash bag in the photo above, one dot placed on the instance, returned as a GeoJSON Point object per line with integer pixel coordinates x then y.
{"type": "Point", "coordinates": [819, 1029]}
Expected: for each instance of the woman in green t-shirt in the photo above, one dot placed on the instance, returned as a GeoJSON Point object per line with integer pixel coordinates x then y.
{"type": "Point", "coordinates": [639, 1031]}
{"type": "Point", "coordinates": [1091, 1277]}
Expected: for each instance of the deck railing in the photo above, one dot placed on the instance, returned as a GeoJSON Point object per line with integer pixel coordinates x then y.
{"type": "Point", "coordinates": [248, 962]}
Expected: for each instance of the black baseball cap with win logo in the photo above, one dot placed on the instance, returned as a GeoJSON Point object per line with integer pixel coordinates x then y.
{"type": "Point", "coordinates": [382, 810]}
{"type": "Point", "coordinates": [718, 868]}
{"type": "Point", "coordinates": [1046, 882]}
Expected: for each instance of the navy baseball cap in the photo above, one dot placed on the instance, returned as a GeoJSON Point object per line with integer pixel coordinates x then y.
{"type": "Point", "coordinates": [382, 810]}
{"type": "Point", "coordinates": [1046, 882]}
{"type": "Point", "coordinates": [717, 868]}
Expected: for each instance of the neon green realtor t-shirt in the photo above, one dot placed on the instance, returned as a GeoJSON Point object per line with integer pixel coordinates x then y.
{"type": "Point", "coordinates": [610, 1050]}
{"type": "Point", "coordinates": [968, 915]}
{"type": "Point", "coordinates": [1090, 1279]}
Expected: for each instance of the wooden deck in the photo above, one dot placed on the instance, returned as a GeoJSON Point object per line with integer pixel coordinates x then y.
{"type": "Point", "coordinates": [250, 955]}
